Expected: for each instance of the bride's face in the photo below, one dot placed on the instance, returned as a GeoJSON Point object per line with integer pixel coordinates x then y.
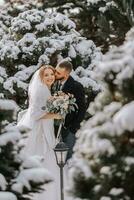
{"type": "Point", "coordinates": [49, 77]}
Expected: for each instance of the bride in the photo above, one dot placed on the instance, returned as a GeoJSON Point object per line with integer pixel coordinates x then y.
{"type": "Point", "coordinates": [41, 139]}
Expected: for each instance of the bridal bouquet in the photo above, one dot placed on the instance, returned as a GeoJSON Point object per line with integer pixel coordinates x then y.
{"type": "Point", "coordinates": [61, 103]}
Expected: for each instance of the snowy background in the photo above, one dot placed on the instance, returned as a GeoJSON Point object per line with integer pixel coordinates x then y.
{"type": "Point", "coordinates": [1, 2]}
{"type": "Point", "coordinates": [103, 160]}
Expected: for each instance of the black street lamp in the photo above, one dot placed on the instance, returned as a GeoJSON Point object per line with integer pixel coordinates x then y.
{"type": "Point", "coordinates": [61, 151]}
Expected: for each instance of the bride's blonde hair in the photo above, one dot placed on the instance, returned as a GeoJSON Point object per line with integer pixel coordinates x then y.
{"type": "Point", "coordinates": [43, 68]}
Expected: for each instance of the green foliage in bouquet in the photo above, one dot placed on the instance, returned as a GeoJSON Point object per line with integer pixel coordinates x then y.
{"type": "Point", "coordinates": [61, 103]}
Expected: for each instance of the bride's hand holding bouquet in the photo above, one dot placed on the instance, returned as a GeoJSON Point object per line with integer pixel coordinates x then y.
{"type": "Point", "coordinates": [59, 105]}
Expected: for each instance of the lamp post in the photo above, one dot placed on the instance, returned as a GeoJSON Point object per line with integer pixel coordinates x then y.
{"type": "Point", "coordinates": [61, 151]}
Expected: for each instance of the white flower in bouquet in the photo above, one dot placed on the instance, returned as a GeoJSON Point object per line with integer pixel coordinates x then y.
{"type": "Point", "coordinates": [61, 103]}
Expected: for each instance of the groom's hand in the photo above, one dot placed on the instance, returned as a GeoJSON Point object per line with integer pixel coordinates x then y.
{"type": "Point", "coordinates": [57, 116]}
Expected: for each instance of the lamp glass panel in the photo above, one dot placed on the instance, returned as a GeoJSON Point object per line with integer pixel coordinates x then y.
{"type": "Point", "coordinates": [61, 156]}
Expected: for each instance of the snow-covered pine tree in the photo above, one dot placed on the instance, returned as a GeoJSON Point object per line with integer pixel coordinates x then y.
{"type": "Point", "coordinates": [19, 176]}
{"type": "Point", "coordinates": [103, 166]}
{"type": "Point", "coordinates": [103, 21]}
{"type": "Point", "coordinates": [30, 38]}
{"type": "Point", "coordinates": [37, 37]}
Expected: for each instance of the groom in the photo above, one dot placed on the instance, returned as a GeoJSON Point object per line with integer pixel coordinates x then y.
{"type": "Point", "coordinates": [67, 84]}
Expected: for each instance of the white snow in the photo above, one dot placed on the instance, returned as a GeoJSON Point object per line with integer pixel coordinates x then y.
{"type": "Point", "coordinates": [119, 61]}
{"type": "Point", "coordinates": [124, 119]}
{"type": "Point", "coordinates": [33, 46]}
{"type": "Point", "coordinates": [32, 162]}
{"type": "Point", "coordinates": [93, 1]}
{"type": "Point", "coordinates": [11, 135]}
{"type": "Point", "coordinates": [7, 196]}
{"type": "Point", "coordinates": [129, 160]}
{"type": "Point", "coordinates": [3, 74]}
{"type": "Point", "coordinates": [8, 105]}
{"type": "Point", "coordinates": [81, 166]}
{"type": "Point", "coordinates": [3, 182]}
{"type": "Point", "coordinates": [43, 43]}
{"type": "Point", "coordinates": [25, 72]}
{"type": "Point", "coordinates": [86, 78]}
{"type": "Point", "coordinates": [92, 145]}
{"type": "Point", "coordinates": [72, 52]}
{"type": "Point", "coordinates": [105, 198]}
{"type": "Point", "coordinates": [84, 47]}
{"type": "Point", "coordinates": [113, 119]}
{"type": "Point", "coordinates": [8, 49]}
{"type": "Point", "coordinates": [116, 191]}
{"type": "Point", "coordinates": [105, 170]}
{"type": "Point", "coordinates": [62, 19]}
{"type": "Point", "coordinates": [2, 2]}
{"type": "Point", "coordinates": [9, 84]}
{"type": "Point", "coordinates": [39, 175]}
{"type": "Point", "coordinates": [32, 16]}
{"type": "Point", "coordinates": [16, 25]}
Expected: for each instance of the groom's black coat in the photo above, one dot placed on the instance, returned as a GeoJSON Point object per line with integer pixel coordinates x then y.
{"type": "Point", "coordinates": [73, 119]}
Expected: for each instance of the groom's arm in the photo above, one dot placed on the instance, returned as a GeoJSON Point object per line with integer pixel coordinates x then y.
{"type": "Point", "coordinates": [80, 100]}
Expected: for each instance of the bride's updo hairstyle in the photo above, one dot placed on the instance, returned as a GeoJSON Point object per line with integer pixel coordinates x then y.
{"type": "Point", "coordinates": [43, 68]}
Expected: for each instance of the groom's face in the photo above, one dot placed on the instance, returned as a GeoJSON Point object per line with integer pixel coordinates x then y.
{"type": "Point", "coordinates": [61, 73]}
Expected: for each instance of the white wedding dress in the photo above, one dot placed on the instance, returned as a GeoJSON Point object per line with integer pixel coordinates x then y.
{"type": "Point", "coordinates": [41, 139]}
